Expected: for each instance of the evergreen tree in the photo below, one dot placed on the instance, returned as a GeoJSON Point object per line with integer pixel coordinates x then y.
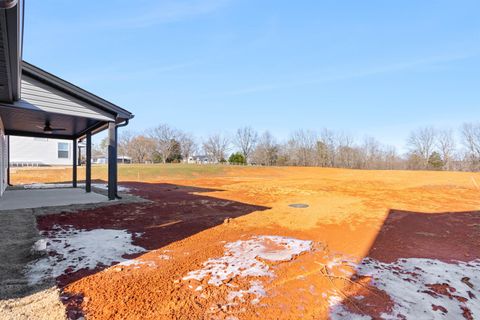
{"type": "Point", "coordinates": [435, 161]}
{"type": "Point", "coordinates": [237, 158]}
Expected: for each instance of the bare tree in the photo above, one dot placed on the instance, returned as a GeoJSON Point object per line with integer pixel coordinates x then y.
{"type": "Point", "coordinates": [165, 138]}
{"type": "Point", "coordinates": [216, 147]}
{"type": "Point", "coordinates": [471, 140]}
{"type": "Point", "coordinates": [246, 139]}
{"type": "Point", "coordinates": [302, 145]}
{"type": "Point", "coordinates": [422, 143]}
{"type": "Point", "coordinates": [187, 145]}
{"type": "Point", "coordinates": [346, 155]}
{"type": "Point", "coordinates": [266, 151]}
{"type": "Point", "coordinates": [100, 149]}
{"type": "Point", "coordinates": [391, 159]}
{"type": "Point", "coordinates": [371, 152]}
{"type": "Point", "coordinates": [141, 148]}
{"type": "Point", "coordinates": [428, 148]}
{"type": "Point", "coordinates": [446, 147]}
{"type": "Point", "coordinates": [124, 139]}
{"type": "Point", "coordinates": [326, 149]}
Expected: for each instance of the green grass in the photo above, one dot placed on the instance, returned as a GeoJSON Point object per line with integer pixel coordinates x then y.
{"type": "Point", "coordinates": [139, 172]}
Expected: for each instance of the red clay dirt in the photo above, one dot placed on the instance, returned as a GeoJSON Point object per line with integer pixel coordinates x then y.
{"type": "Point", "coordinates": [356, 214]}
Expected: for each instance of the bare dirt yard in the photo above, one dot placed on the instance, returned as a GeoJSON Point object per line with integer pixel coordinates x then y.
{"type": "Point", "coordinates": [220, 242]}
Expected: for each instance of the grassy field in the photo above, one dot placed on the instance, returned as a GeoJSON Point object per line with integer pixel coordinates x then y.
{"type": "Point", "coordinates": [130, 172]}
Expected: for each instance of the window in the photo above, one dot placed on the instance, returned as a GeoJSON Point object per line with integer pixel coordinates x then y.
{"type": "Point", "coordinates": [63, 150]}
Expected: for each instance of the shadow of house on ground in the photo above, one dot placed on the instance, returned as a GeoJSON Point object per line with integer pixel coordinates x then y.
{"type": "Point", "coordinates": [448, 236]}
{"type": "Point", "coordinates": [422, 266]}
{"type": "Point", "coordinates": [174, 212]}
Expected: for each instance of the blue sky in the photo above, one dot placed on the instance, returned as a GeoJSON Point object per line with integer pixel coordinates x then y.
{"type": "Point", "coordinates": [379, 68]}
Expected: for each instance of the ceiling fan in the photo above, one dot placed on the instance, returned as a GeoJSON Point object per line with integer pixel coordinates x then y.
{"type": "Point", "coordinates": [48, 129]}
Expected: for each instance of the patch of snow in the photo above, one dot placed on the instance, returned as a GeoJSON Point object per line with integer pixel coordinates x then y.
{"type": "Point", "coordinates": [240, 259]}
{"type": "Point", "coordinates": [406, 282]}
{"type": "Point", "coordinates": [104, 186]}
{"type": "Point", "coordinates": [338, 312]}
{"type": "Point", "coordinates": [345, 265]}
{"type": "Point", "coordinates": [70, 250]}
{"type": "Point", "coordinates": [334, 300]}
{"type": "Point", "coordinates": [40, 245]}
{"type": "Point", "coordinates": [409, 283]}
{"type": "Point", "coordinates": [246, 258]}
{"type": "Point", "coordinates": [132, 262]}
{"type": "Point", "coordinates": [136, 264]}
{"type": "Point", "coordinates": [256, 289]}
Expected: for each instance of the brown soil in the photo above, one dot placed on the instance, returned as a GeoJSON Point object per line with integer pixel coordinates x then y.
{"type": "Point", "coordinates": [380, 214]}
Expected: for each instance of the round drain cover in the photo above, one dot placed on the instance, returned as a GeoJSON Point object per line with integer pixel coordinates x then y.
{"type": "Point", "coordinates": [299, 205]}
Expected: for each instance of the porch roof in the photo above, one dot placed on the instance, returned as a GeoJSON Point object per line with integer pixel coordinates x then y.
{"type": "Point", "coordinates": [46, 98]}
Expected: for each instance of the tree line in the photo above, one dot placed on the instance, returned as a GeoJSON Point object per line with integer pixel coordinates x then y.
{"type": "Point", "coordinates": [428, 148]}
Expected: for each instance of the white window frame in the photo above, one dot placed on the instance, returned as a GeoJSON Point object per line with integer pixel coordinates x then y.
{"type": "Point", "coordinates": [67, 150]}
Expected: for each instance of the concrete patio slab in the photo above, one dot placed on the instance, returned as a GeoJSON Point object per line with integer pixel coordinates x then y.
{"type": "Point", "coordinates": [37, 198]}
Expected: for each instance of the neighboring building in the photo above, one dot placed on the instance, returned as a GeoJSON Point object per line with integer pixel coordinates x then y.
{"type": "Point", "coordinates": [104, 160]}
{"type": "Point", "coordinates": [38, 152]}
{"type": "Point", "coordinates": [37, 104]}
{"type": "Point", "coordinates": [198, 160]}
{"type": "Point", "coordinates": [28, 151]}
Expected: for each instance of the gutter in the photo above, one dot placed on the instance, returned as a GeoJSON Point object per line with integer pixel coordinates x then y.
{"type": "Point", "coordinates": [8, 4]}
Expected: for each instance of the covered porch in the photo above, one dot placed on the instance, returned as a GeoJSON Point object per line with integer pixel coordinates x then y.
{"type": "Point", "coordinates": [50, 107]}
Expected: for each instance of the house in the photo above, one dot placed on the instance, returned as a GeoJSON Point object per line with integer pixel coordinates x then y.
{"type": "Point", "coordinates": [28, 151]}
{"type": "Point", "coordinates": [37, 104]}
{"type": "Point", "coordinates": [199, 159]}
{"type": "Point", "coordinates": [39, 152]}
{"type": "Point", "coordinates": [120, 159]}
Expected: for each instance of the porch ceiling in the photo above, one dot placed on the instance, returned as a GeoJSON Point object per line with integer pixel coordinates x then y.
{"type": "Point", "coordinates": [21, 121]}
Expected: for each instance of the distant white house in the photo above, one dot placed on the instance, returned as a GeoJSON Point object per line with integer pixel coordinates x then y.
{"type": "Point", "coordinates": [198, 160]}
{"type": "Point", "coordinates": [28, 151]}
{"type": "Point", "coordinates": [104, 160]}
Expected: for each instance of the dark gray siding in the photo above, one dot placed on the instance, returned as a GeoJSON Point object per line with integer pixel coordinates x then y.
{"type": "Point", "coordinates": [51, 100]}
